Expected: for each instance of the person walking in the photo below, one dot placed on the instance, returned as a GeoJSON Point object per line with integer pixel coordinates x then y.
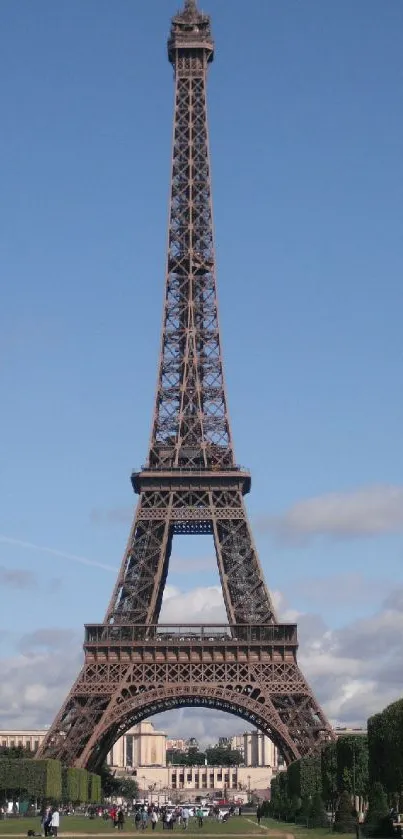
{"type": "Point", "coordinates": [154, 819]}
{"type": "Point", "coordinates": [144, 819]}
{"type": "Point", "coordinates": [199, 814]}
{"type": "Point", "coordinates": [185, 818]}
{"type": "Point", "coordinates": [120, 819]}
{"type": "Point", "coordinates": [55, 821]}
{"type": "Point", "coordinates": [258, 814]}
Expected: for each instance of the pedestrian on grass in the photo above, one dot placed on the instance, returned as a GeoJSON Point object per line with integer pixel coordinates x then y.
{"type": "Point", "coordinates": [55, 821]}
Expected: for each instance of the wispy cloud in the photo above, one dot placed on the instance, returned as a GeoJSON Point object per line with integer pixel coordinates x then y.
{"type": "Point", "coordinates": [18, 578]}
{"type": "Point", "coordinates": [19, 543]}
{"type": "Point", "coordinates": [366, 511]}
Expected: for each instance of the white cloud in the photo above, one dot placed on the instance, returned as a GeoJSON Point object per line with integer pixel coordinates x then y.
{"type": "Point", "coordinates": [200, 605]}
{"type": "Point", "coordinates": [366, 511]}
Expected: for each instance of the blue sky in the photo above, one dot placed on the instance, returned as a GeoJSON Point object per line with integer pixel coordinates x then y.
{"type": "Point", "coordinates": [306, 134]}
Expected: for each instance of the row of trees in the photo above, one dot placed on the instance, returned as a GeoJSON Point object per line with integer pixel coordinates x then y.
{"type": "Point", "coordinates": [365, 769]}
{"type": "Point", "coordinates": [22, 777]}
{"type": "Point", "coordinates": [385, 743]}
{"type": "Point", "coordinates": [315, 784]}
{"type": "Point", "coordinates": [213, 756]}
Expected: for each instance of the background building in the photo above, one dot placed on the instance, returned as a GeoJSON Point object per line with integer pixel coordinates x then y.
{"type": "Point", "coordinates": [142, 745]}
{"type": "Point", "coordinates": [141, 752]}
{"type": "Point", "coordinates": [184, 783]}
{"type": "Point", "coordinates": [256, 749]}
{"type": "Point", "coordinates": [176, 745]}
{"type": "Point", "coordinates": [14, 739]}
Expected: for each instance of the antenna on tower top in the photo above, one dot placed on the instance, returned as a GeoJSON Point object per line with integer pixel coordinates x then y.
{"type": "Point", "coordinates": [191, 6]}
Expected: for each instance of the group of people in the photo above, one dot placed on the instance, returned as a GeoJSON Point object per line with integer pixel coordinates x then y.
{"type": "Point", "coordinates": [118, 817]}
{"type": "Point", "coordinates": [50, 821]}
{"type": "Point", "coordinates": [151, 815]}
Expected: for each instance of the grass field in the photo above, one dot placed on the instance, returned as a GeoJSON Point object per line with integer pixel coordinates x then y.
{"type": "Point", "coordinates": [79, 825]}
{"type": "Point", "coordinates": [301, 832]}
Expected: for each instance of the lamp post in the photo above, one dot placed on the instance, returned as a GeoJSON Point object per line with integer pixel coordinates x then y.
{"type": "Point", "coordinates": [249, 789]}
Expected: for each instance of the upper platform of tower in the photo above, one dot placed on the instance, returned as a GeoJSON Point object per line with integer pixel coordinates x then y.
{"type": "Point", "coordinates": [190, 30]}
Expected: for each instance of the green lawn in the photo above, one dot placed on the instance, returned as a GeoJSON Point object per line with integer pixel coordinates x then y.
{"type": "Point", "coordinates": [301, 832]}
{"type": "Point", "coordinates": [71, 825]}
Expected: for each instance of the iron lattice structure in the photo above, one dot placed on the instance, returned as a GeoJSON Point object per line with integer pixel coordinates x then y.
{"type": "Point", "coordinates": [190, 484]}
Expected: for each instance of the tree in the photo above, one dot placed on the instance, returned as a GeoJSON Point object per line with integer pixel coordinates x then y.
{"type": "Point", "coordinates": [304, 812]}
{"type": "Point", "coordinates": [385, 743]}
{"type": "Point", "coordinates": [109, 783]}
{"type": "Point", "coordinates": [329, 776]}
{"type": "Point", "coordinates": [376, 822]}
{"type": "Point", "coordinates": [352, 764]}
{"type": "Point", "coordinates": [194, 757]}
{"type": "Point", "coordinates": [317, 813]}
{"type": "Point", "coordinates": [128, 788]}
{"type": "Point", "coordinates": [16, 752]}
{"type": "Point", "coordinates": [176, 757]}
{"type": "Point", "coordinates": [223, 756]}
{"type": "Point", "coordinates": [345, 818]}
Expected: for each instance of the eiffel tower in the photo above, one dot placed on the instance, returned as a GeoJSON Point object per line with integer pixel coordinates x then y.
{"type": "Point", "coordinates": [135, 667]}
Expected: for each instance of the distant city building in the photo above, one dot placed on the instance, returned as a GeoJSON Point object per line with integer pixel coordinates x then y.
{"type": "Point", "coordinates": [176, 745]}
{"type": "Point", "coordinates": [256, 749]}
{"type": "Point", "coordinates": [348, 732]}
{"type": "Point", "coordinates": [184, 783]}
{"type": "Point", "coordinates": [29, 739]}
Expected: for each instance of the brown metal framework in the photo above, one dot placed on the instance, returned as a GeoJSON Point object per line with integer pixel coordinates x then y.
{"type": "Point", "coordinates": [190, 484]}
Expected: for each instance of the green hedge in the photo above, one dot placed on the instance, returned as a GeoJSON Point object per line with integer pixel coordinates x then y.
{"type": "Point", "coordinates": [329, 775]}
{"type": "Point", "coordinates": [352, 764]}
{"type": "Point", "coordinates": [311, 775]}
{"type": "Point", "coordinates": [38, 778]}
{"type": "Point", "coordinates": [385, 745]}
{"type": "Point", "coordinates": [304, 777]}
{"type": "Point", "coordinates": [77, 786]}
{"type": "Point", "coordinates": [94, 788]}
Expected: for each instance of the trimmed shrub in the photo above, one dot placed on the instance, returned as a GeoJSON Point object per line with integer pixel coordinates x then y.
{"type": "Point", "coordinates": [82, 785]}
{"type": "Point", "coordinates": [377, 822]}
{"type": "Point", "coordinates": [294, 779]}
{"type": "Point", "coordinates": [75, 786]}
{"type": "Point", "coordinates": [94, 788]}
{"type": "Point", "coordinates": [310, 775]}
{"type": "Point", "coordinates": [352, 764]}
{"type": "Point", "coordinates": [317, 813]}
{"type": "Point", "coordinates": [345, 818]}
{"type": "Point", "coordinates": [385, 742]}
{"type": "Point", "coordinates": [37, 778]}
{"type": "Point", "coordinates": [329, 775]}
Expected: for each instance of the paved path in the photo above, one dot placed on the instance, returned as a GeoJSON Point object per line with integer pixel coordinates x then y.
{"type": "Point", "coordinates": [269, 831]}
